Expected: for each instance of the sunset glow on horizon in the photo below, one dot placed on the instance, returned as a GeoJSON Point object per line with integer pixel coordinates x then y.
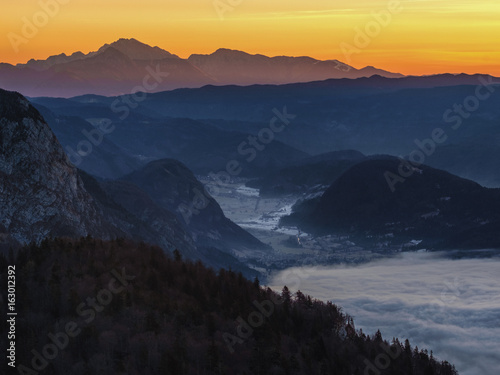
{"type": "Point", "coordinates": [418, 37]}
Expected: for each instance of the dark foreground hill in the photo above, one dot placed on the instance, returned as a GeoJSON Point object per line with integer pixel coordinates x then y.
{"type": "Point", "coordinates": [373, 199]}
{"type": "Point", "coordinates": [95, 307]}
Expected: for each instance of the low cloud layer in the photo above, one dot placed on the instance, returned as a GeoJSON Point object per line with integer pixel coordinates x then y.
{"type": "Point", "coordinates": [449, 306]}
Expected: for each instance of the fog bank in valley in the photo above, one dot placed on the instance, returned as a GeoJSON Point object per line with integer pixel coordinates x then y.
{"type": "Point", "coordinates": [449, 306]}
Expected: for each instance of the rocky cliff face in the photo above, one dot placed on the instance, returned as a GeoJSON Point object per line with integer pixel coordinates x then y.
{"type": "Point", "coordinates": [41, 193]}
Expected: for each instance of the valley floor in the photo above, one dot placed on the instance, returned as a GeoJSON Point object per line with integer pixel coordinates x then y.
{"type": "Point", "coordinates": [260, 217]}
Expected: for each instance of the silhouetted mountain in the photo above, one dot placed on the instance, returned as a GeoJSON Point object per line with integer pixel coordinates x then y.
{"type": "Point", "coordinates": [136, 50]}
{"type": "Point", "coordinates": [373, 115]}
{"type": "Point", "coordinates": [128, 64]}
{"type": "Point", "coordinates": [131, 309]}
{"type": "Point", "coordinates": [227, 66]}
{"type": "Point", "coordinates": [52, 60]}
{"type": "Point", "coordinates": [333, 96]}
{"type": "Point", "coordinates": [430, 205]}
{"type": "Point", "coordinates": [114, 69]}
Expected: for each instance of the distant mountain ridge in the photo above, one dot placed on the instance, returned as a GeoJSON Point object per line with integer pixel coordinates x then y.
{"type": "Point", "coordinates": [374, 115]}
{"type": "Point", "coordinates": [227, 66]}
{"type": "Point", "coordinates": [121, 66]}
{"type": "Point", "coordinates": [129, 47]}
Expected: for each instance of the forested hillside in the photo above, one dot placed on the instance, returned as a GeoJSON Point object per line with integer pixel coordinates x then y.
{"type": "Point", "coordinates": [117, 307]}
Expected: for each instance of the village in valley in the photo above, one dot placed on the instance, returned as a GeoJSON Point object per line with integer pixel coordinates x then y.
{"type": "Point", "coordinates": [291, 247]}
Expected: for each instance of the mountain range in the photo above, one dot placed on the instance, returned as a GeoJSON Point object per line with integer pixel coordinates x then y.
{"type": "Point", "coordinates": [44, 195]}
{"type": "Point", "coordinates": [374, 115]}
{"type": "Point", "coordinates": [163, 203]}
{"type": "Point", "coordinates": [92, 180]}
{"type": "Point", "coordinates": [135, 179]}
{"type": "Point", "coordinates": [128, 65]}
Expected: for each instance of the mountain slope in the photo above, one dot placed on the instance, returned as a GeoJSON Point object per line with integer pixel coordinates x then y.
{"type": "Point", "coordinates": [127, 64]}
{"type": "Point", "coordinates": [52, 60]}
{"type": "Point", "coordinates": [168, 316]}
{"type": "Point", "coordinates": [174, 188]}
{"type": "Point", "coordinates": [43, 195]}
{"type": "Point", "coordinates": [236, 67]}
{"type": "Point", "coordinates": [115, 69]}
{"type": "Point", "coordinates": [430, 205]}
{"type": "Point", "coordinates": [41, 192]}
{"type": "Point", "coordinates": [136, 50]}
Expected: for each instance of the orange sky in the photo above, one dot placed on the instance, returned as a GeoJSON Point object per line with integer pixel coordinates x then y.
{"type": "Point", "coordinates": [420, 37]}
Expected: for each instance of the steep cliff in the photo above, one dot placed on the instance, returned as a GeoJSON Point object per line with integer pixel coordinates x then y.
{"type": "Point", "coordinates": [41, 193]}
